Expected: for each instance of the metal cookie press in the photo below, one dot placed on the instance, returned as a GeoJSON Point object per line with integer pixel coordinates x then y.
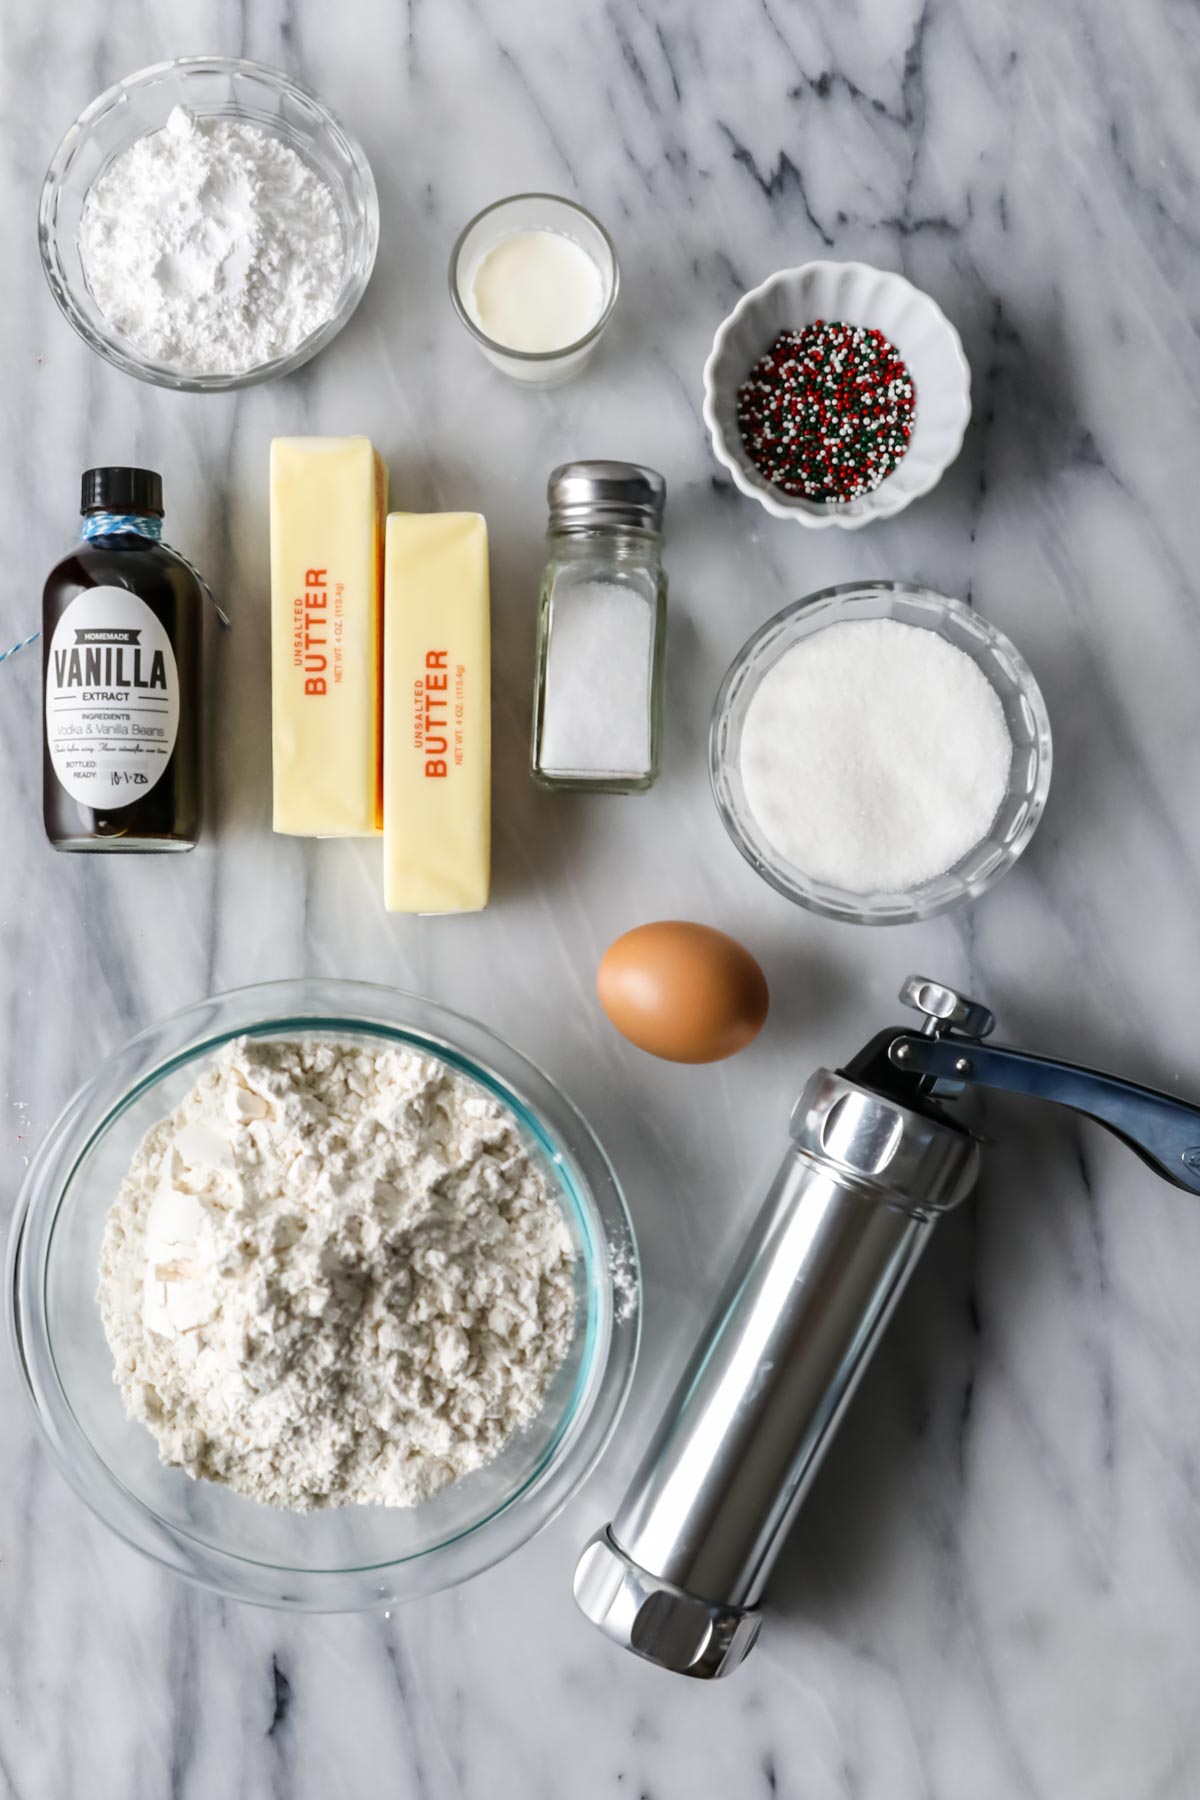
{"type": "Point", "coordinates": [874, 1159]}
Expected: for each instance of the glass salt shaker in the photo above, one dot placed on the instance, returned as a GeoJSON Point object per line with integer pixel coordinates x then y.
{"type": "Point", "coordinates": [602, 616]}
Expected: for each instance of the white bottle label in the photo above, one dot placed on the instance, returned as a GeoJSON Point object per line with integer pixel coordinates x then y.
{"type": "Point", "coordinates": [112, 698]}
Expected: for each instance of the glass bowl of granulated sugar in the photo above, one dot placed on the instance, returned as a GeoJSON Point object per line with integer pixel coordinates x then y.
{"type": "Point", "coordinates": [323, 1296]}
{"type": "Point", "coordinates": [208, 223]}
{"type": "Point", "coordinates": [880, 753]}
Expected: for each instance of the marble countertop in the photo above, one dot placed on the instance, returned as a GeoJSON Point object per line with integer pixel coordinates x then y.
{"type": "Point", "coordinates": [994, 1590]}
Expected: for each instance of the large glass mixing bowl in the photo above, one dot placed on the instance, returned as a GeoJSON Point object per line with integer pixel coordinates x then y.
{"type": "Point", "coordinates": [338, 1559]}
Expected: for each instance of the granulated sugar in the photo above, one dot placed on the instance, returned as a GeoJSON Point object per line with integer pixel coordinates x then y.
{"type": "Point", "coordinates": [874, 755]}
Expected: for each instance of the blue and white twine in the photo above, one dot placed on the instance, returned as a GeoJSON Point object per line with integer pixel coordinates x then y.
{"type": "Point", "coordinates": [110, 524]}
{"type": "Point", "coordinates": [22, 645]}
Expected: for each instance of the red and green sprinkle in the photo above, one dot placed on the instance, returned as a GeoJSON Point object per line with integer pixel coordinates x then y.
{"type": "Point", "coordinates": [827, 413]}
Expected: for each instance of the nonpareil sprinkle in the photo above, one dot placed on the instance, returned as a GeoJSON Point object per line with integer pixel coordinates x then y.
{"type": "Point", "coordinates": [827, 413]}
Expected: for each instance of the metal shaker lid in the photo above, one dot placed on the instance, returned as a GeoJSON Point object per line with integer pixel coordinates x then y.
{"type": "Point", "coordinates": [606, 493]}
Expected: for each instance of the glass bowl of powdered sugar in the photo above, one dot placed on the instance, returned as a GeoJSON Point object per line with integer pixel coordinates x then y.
{"type": "Point", "coordinates": [880, 753]}
{"type": "Point", "coordinates": [208, 223]}
{"type": "Point", "coordinates": [324, 1297]}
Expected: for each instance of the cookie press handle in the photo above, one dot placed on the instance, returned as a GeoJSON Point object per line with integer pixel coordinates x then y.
{"type": "Point", "coordinates": [1163, 1131]}
{"type": "Point", "coordinates": [678, 1575]}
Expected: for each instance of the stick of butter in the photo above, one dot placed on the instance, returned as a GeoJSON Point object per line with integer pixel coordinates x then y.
{"type": "Point", "coordinates": [437, 727]}
{"type": "Point", "coordinates": [328, 501]}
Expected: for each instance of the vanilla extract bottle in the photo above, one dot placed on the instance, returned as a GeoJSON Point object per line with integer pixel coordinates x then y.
{"type": "Point", "coordinates": [122, 627]}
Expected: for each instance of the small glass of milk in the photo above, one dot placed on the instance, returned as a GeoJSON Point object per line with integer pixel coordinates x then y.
{"type": "Point", "coordinates": [534, 279]}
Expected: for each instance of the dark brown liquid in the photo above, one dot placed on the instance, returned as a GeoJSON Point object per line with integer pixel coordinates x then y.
{"type": "Point", "coordinates": [167, 816]}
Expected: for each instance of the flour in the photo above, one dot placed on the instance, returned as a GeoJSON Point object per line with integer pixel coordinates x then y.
{"type": "Point", "coordinates": [212, 246]}
{"type": "Point", "coordinates": [335, 1276]}
{"type": "Point", "coordinates": [626, 1285]}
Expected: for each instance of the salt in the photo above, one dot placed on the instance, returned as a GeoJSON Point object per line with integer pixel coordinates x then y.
{"type": "Point", "coordinates": [874, 755]}
{"type": "Point", "coordinates": [596, 706]}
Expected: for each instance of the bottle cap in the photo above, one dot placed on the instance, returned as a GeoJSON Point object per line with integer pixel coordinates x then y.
{"type": "Point", "coordinates": [121, 491]}
{"type": "Point", "coordinates": [606, 493]}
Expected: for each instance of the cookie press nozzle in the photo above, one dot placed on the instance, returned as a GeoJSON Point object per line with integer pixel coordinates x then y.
{"type": "Point", "coordinates": [873, 1161]}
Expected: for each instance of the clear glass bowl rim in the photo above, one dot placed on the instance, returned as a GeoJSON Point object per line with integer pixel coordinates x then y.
{"type": "Point", "coordinates": [533, 356]}
{"type": "Point", "coordinates": [116, 350]}
{"type": "Point", "coordinates": [326, 1004]}
{"type": "Point", "coordinates": [822, 898]}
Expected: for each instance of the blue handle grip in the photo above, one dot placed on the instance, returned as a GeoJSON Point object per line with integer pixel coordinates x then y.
{"type": "Point", "coordinates": [1163, 1131]}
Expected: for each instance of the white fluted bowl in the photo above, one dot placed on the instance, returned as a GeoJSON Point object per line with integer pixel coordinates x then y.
{"type": "Point", "coordinates": [858, 295]}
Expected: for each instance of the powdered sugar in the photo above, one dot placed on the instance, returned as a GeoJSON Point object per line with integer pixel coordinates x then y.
{"type": "Point", "coordinates": [212, 246]}
{"type": "Point", "coordinates": [335, 1275]}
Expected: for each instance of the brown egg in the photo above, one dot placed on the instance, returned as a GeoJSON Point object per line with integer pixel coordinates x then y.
{"type": "Point", "coordinates": [683, 992]}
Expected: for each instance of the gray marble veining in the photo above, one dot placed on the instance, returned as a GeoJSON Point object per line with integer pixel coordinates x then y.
{"type": "Point", "coordinates": [995, 1587]}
